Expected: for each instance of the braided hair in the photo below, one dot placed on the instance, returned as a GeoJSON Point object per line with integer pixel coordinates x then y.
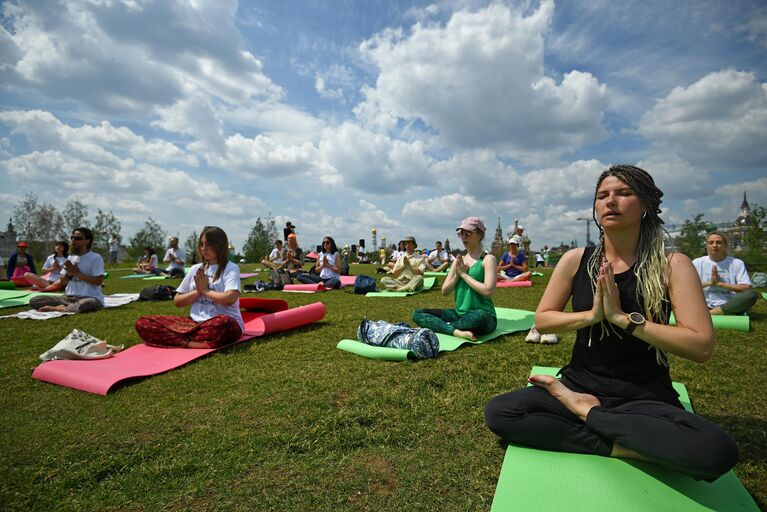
{"type": "Point", "coordinates": [651, 265]}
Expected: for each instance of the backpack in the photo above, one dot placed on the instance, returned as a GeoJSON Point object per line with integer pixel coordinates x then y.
{"type": "Point", "coordinates": [157, 292]}
{"type": "Point", "coordinates": [279, 278]}
{"type": "Point", "coordinates": [364, 284]}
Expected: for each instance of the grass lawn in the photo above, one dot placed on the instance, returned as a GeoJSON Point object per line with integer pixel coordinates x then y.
{"type": "Point", "coordinates": [288, 422]}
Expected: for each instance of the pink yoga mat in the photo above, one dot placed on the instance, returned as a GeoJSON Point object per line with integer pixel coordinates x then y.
{"type": "Point", "coordinates": [310, 288]}
{"type": "Point", "coordinates": [513, 284]}
{"type": "Point", "coordinates": [247, 275]}
{"type": "Point", "coordinates": [318, 287]}
{"type": "Point", "coordinates": [99, 376]}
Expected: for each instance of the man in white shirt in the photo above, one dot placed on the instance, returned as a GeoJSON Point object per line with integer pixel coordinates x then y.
{"type": "Point", "coordinates": [439, 259]}
{"type": "Point", "coordinates": [277, 258]}
{"type": "Point", "coordinates": [114, 248]}
{"type": "Point", "coordinates": [176, 257]}
{"type": "Point", "coordinates": [83, 274]}
{"type": "Point", "coordinates": [726, 285]}
{"type": "Point", "coordinates": [407, 274]}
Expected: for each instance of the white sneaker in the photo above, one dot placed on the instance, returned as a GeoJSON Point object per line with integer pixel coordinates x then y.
{"type": "Point", "coordinates": [549, 339]}
{"type": "Point", "coordinates": [533, 336]}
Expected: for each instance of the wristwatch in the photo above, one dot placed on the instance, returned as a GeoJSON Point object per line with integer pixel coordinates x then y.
{"type": "Point", "coordinates": [635, 320]}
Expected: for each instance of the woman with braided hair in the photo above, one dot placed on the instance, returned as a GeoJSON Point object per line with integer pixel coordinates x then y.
{"type": "Point", "coordinates": [615, 396]}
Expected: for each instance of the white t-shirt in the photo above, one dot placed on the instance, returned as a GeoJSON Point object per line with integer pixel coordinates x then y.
{"type": "Point", "coordinates": [438, 257]}
{"type": "Point", "coordinates": [327, 273]}
{"type": "Point", "coordinates": [731, 271]}
{"type": "Point", "coordinates": [90, 264]}
{"type": "Point", "coordinates": [203, 308]}
{"type": "Point", "coordinates": [395, 255]}
{"type": "Point", "coordinates": [55, 275]}
{"type": "Point", "coordinates": [277, 256]}
{"type": "Point", "coordinates": [114, 245]}
{"type": "Point", "coordinates": [171, 255]}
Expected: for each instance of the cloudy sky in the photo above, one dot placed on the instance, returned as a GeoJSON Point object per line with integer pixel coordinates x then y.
{"type": "Point", "coordinates": [403, 115]}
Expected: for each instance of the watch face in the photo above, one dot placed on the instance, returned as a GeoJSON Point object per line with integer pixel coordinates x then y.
{"type": "Point", "coordinates": [636, 318]}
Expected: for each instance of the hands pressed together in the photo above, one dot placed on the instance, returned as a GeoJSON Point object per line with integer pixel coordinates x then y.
{"type": "Point", "coordinates": [607, 302]}
{"type": "Point", "coordinates": [201, 281]}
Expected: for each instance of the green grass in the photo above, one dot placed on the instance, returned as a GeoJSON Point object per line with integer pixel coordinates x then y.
{"type": "Point", "coordinates": [288, 422]}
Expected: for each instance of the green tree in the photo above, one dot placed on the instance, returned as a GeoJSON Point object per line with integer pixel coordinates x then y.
{"type": "Point", "coordinates": [106, 226]}
{"type": "Point", "coordinates": [151, 235]}
{"type": "Point", "coordinates": [692, 238]}
{"type": "Point", "coordinates": [39, 224]}
{"type": "Point", "coordinates": [190, 246]}
{"type": "Point", "coordinates": [76, 215]}
{"type": "Point", "coordinates": [261, 239]}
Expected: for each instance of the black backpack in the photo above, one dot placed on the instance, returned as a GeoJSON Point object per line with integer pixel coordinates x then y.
{"type": "Point", "coordinates": [157, 292]}
{"type": "Point", "coordinates": [364, 284]}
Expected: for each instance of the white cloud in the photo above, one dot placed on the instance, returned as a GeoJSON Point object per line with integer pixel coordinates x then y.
{"type": "Point", "coordinates": [719, 122]}
{"type": "Point", "coordinates": [479, 81]}
{"type": "Point", "coordinates": [44, 130]}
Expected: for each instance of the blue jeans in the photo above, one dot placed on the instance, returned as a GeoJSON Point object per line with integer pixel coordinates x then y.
{"type": "Point", "coordinates": [331, 282]}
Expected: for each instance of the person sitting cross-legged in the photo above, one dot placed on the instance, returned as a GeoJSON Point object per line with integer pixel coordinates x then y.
{"type": "Point", "coordinates": [328, 266]}
{"type": "Point", "coordinates": [83, 275]}
{"type": "Point", "coordinates": [439, 259]}
{"type": "Point", "coordinates": [277, 258]}
{"type": "Point", "coordinates": [513, 266]}
{"type": "Point", "coordinates": [407, 273]}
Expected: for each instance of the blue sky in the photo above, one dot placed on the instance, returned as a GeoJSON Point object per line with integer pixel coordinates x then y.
{"type": "Point", "coordinates": [406, 116]}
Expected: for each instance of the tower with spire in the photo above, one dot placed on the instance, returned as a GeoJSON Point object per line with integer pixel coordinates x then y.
{"type": "Point", "coordinates": [497, 247]}
{"type": "Point", "coordinates": [744, 215]}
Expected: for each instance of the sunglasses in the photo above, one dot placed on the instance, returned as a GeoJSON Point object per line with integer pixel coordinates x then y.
{"type": "Point", "coordinates": [326, 241]}
{"type": "Point", "coordinates": [76, 238]}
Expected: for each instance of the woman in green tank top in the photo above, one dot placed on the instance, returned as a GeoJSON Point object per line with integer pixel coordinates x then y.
{"type": "Point", "coordinates": [472, 276]}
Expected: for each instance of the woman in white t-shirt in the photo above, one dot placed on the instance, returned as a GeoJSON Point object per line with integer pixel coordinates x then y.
{"type": "Point", "coordinates": [328, 266]}
{"type": "Point", "coordinates": [212, 288]}
{"type": "Point", "coordinates": [148, 262]}
{"type": "Point", "coordinates": [54, 265]}
{"type": "Point", "coordinates": [726, 285]}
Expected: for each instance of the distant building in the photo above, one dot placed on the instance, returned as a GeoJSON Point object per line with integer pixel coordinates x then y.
{"type": "Point", "coordinates": [8, 241]}
{"type": "Point", "coordinates": [737, 231]}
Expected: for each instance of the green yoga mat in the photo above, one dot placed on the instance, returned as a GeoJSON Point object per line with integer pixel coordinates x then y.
{"type": "Point", "coordinates": [537, 480]}
{"type": "Point", "coordinates": [155, 278]}
{"type": "Point", "coordinates": [538, 274]}
{"type": "Point", "coordinates": [15, 298]}
{"type": "Point", "coordinates": [428, 283]}
{"type": "Point", "coordinates": [509, 321]}
{"type": "Point", "coordinates": [133, 276]}
{"type": "Point", "coordinates": [7, 285]}
{"type": "Point", "coordinates": [764, 295]}
{"type": "Point", "coordinates": [435, 274]}
{"type": "Point", "coordinates": [733, 322]}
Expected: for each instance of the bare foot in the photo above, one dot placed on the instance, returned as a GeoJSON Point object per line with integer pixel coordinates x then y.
{"type": "Point", "coordinates": [577, 403]}
{"type": "Point", "coordinates": [717, 311]}
{"type": "Point", "coordinates": [467, 335]}
{"type": "Point", "coordinates": [52, 308]}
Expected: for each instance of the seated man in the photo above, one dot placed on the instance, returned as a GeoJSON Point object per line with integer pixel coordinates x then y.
{"type": "Point", "coordinates": [276, 259]}
{"type": "Point", "coordinates": [176, 256]}
{"type": "Point", "coordinates": [84, 273]}
{"type": "Point", "coordinates": [513, 265]}
{"type": "Point", "coordinates": [407, 274]}
{"type": "Point", "coordinates": [439, 259]}
{"type": "Point", "coordinates": [294, 259]}
{"type": "Point", "coordinates": [726, 285]}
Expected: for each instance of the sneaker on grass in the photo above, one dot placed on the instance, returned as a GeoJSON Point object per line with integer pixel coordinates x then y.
{"type": "Point", "coordinates": [549, 339]}
{"type": "Point", "coordinates": [533, 336]}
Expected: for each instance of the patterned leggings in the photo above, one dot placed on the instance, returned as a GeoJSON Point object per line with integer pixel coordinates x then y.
{"type": "Point", "coordinates": [477, 321]}
{"type": "Point", "coordinates": [178, 331]}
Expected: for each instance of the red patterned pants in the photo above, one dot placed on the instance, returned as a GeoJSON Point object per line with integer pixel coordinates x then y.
{"type": "Point", "coordinates": [178, 331]}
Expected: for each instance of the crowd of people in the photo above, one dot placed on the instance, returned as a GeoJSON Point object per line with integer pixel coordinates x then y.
{"type": "Point", "coordinates": [614, 397]}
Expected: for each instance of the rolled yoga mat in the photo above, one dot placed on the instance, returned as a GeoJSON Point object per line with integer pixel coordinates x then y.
{"type": "Point", "coordinates": [7, 285]}
{"type": "Point", "coordinates": [733, 322]}
{"type": "Point", "coordinates": [99, 376]}
{"type": "Point", "coordinates": [428, 284]}
{"type": "Point", "coordinates": [305, 288]}
{"type": "Point", "coordinates": [538, 480]}
{"type": "Point", "coordinates": [509, 321]}
{"type": "Point", "coordinates": [435, 274]}
{"type": "Point", "coordinates": [513, 284]}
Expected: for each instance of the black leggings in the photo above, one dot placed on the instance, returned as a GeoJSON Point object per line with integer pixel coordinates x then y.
{"type": "Point", "coordinates": [661, 432]}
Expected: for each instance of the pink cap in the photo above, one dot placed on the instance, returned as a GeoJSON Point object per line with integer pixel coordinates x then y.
{"type": "Point", "coordinates": [471, 224]}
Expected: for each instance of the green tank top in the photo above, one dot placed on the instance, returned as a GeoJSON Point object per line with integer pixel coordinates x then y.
{"type": "Point", "coordinates": [466, 298]}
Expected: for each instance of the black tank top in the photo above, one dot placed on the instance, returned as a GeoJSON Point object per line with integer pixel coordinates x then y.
{"type": "Point", "coordinates": [607, 365]}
